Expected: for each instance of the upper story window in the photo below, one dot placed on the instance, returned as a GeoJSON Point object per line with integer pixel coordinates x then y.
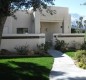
{"type": "Point", "coordinates": [22, 30]}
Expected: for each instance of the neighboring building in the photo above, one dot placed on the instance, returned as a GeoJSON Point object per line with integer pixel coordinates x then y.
{"type": "Point", "coordinates": [35, 23]}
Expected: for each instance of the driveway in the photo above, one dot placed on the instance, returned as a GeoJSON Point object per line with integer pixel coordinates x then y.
{"type": "Point", "coordinates": [64, 68]}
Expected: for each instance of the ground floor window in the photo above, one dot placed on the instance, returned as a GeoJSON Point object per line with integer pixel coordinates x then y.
{"type": "Point", "coordinates": [22, 30]}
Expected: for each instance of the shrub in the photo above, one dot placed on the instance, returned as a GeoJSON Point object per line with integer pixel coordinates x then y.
{"type": "Point", "coordinates": [80, 56]}
{"type": "Point", "coordinates": [60, 45]}
{"type": "Point", "coordinates": [22, 50]}
{"type": "Point", "coordinates": [40, 49]}
{"type": "Point", "coordinates": [74, 46]}
{"type": "Point", "coordinates": [5, 52]}
{"type": "Point", "coordinates": [83, 46]}
{"type": "Point", "coordinates": [43, 48]}
{"type": "Point", "coordinates": [47, 46]}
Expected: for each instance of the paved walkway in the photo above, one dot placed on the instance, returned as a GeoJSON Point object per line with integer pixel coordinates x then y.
{"type": "Point", "coordinates": [64, 68]}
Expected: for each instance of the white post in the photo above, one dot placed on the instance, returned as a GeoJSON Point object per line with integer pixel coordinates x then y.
{"type": "Point", "coordinates": [37, 22]}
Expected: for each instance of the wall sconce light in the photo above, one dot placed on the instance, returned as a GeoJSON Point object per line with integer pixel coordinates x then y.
{"type": "Point", "coordinates": [61, 26]}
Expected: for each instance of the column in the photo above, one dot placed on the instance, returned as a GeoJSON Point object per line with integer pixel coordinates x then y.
{"type": "Point", "coordinates": [37, 22]}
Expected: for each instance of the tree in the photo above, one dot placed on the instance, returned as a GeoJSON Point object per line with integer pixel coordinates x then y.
{"type": "Point", "coordinates": [8, 7]}
{"type": "Point", "coordinates": [79, 25]}
{"type": "Point", "coordinates": [84, 22]}
{"type": "Point", "coordinates": [85, 29]}
{"type": "Point", "coordinates": [83, 3]}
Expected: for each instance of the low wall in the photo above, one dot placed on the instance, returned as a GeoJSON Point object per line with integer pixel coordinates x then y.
{"type": "Point", "coordinates": [10, 41]}
{"type": "Point", "coordinates": [69, 38]}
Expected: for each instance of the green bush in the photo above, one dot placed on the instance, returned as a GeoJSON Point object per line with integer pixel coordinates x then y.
{"type": "Point", "coordinates": [47, 46]}
{"type": "Point", "coordinates": [83, 46]}
{"type": "Point", "coordinates": [80, 56]}
{"type": "Point", "coordinates": [5, 52]}
{"type": "Point", "coordinates": [43, 48]}
{"type": "Point", "coordinates": [22, 50]}
{"type": "Point", "coordinates": [60, 45]}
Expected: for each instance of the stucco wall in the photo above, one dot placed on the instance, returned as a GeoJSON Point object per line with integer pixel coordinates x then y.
{"type": "Point", "coordinates": [10, 41]}
{"type": "Point", "coordinates": [61, 16]}
{"type": "Point", "coordinates": [24, 20]}
{"type": "Point", "coordinates": [67, 24]}
{"type": "Point", "coordinates": [71, 39]}
{"type": "Point", "coordinates": [32, 20]}
{"type": "Point", "coordinates": [49, 28]}
{"type": "Point", "coordinates": [60, 13]}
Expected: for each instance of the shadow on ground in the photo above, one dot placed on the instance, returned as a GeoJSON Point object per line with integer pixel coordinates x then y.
{"type": "Point", "coordinates": [23, 71]}
{"type": "Point", "coordinates": [61, 74]}
{"type": "Point", "coordinates": [23, 56]}
{"type": "Point", "coordinates": [55, 53]}
{"type": "Point", "coordinates": [77, 78]}
{"type": "Point", "coordinates": [57, 73]}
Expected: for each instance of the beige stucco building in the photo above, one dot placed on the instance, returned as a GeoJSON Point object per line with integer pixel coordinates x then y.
{"type": "Point", "coordinates": [34, 28]}
{"type": "Point", "coordinates": [29, 22]}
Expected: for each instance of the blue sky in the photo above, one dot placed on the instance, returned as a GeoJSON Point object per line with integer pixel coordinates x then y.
{"type": "Point", "coordinates": [73, 5]}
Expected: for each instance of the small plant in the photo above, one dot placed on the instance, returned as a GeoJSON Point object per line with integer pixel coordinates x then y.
{"type": "Point", "coordinates": [40, 48]}
{"type": "Point", "coordinates": [5, 52]}
{"type": "Point", "coordinates": [83, 46]}
{"type": "Point", "coordinates": [47, 46]}
{"type": "Point", "coordinates": [80, 56]}
{"type": "Point", "coordinates": [60, 45]}
{"type": "Point", "coordinates": [43, 48]}
{"type": "Point", "coordinates": [22, 50]}
{"type": "Point", "coordinates": [74, 46]}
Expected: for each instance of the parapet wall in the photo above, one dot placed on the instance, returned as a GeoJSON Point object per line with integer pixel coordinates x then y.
{"type": "Point", "coordinates": [10, 41]}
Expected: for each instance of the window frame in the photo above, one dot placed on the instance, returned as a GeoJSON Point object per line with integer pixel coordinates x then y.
{"type": "Point", "coordinates": [22, 30]}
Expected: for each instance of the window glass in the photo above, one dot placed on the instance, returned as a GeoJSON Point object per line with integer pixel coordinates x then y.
{"type": "Point", "coordinates": [22, 30]}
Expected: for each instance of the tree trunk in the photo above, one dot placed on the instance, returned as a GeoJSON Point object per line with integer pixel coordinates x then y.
{"type": "Point", "coordinates": [2, 22]}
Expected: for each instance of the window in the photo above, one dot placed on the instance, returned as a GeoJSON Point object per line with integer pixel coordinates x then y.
{"type": "Point", "coordinates": [22, 30]}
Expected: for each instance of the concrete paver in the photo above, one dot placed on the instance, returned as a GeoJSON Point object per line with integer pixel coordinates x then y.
{"type": "Point", "coordinates": [64, 68]}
